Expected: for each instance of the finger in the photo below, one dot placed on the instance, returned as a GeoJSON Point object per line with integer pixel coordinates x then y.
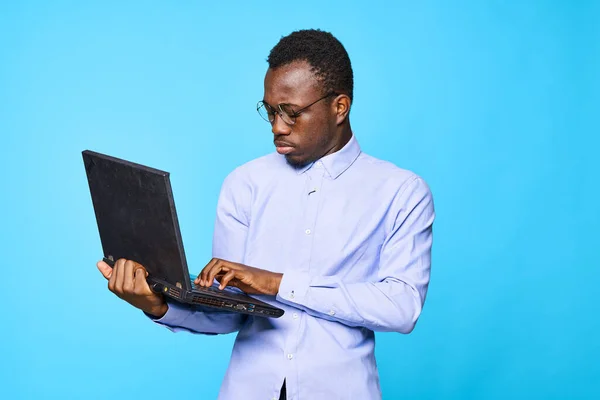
{"type": "Point", "coordinates": [226, 279]}
{"type": "Point", "coordinates": [206, 270]}
{"type": "Point", "coordinates": [219, 267]}
{"type": "Point", "coordinates": [120, 275]}
{"type": "Point", "coordinates": [220, 276]}
{"type": "Point", "coordinates": [140, 283]}
{"type": "Point", "coordinates": [104, 269]}
{"type": "Point", "coordinates": [113, 279]}
{"type": "Point", "coordinates": [128, 272]}
{"type": "Point", "coordinates": [202, 276]}
{"type": "Point", "coordinates": [211, 272]}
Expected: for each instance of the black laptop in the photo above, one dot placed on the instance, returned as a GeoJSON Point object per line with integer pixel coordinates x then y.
{"type": "Point", "coordinates": [136, 217]}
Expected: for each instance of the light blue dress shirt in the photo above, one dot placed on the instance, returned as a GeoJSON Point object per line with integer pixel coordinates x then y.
{"type": "Point", "coordinates": [352, 236]}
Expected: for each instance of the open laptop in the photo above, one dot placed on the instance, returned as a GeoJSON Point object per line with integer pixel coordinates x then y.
{"type": "Point", "coordinates": [136, 217]}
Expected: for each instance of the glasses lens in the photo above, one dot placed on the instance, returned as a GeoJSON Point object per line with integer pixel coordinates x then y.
{"type": "Point", "coordinates": [288, 114]}
{"type": "Point", "coordinates": [264, 112]}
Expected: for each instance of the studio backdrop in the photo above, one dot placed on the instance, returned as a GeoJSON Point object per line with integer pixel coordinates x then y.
{"type": "Point", "coordinates": [494, 103]}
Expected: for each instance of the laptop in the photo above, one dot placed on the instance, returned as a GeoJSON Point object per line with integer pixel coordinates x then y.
{"type": "Point", "coordinates": [136, 217]}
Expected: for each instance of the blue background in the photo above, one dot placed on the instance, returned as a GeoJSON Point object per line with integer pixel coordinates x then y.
{"type": "Point", "coordinates": [491, 102]}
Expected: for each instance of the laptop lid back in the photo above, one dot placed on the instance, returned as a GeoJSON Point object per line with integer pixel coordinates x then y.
{"type": "Point", "coordinates": [136, 216]}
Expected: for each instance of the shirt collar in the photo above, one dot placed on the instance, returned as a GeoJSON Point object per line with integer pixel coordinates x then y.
{"type": "Point", "coordinates": [336, 163]}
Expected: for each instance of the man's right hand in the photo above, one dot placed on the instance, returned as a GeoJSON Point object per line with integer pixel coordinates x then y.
{"type": "Point", "coordinates": [127, 279]}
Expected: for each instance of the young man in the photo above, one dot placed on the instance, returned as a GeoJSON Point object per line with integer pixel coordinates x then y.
{"type": "Point", "coordinates": [340, 240]}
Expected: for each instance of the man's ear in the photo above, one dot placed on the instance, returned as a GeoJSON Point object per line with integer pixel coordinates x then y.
{"type": "Point", "coordinates": [342, 105]}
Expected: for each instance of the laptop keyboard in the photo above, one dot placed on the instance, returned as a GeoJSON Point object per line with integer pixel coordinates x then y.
{"type": "Point", "coordinates": [212, 289]}
{"type": "Point", "coordinates": [228, 291]}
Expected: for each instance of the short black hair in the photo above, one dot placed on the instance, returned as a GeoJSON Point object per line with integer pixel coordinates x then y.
{"type": "Point", "coordinates": [325, 54]}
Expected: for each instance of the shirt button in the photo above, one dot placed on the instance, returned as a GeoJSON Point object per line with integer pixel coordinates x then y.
{"type": "Point", "coordinates": [307, 231]}
{"type": "Point", "coordinates": [295, 315]}
{"type": "Point", "coordinates": [331, 312]}
{"type": "Point", "coordinates": [290, 356]}
{"type": "Point", "coordinates": [292, 295]}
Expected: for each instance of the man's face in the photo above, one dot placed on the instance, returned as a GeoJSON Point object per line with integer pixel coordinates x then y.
{"type": "Point", "coordinates": [312, 136]}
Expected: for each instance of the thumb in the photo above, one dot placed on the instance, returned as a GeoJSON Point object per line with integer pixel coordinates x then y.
{"type": "Point", "coordinates": [104, 269]}
{"type": "Point", "coordinates": [140, 275]}
{"type": "Point", "coordinates": [139, 267]}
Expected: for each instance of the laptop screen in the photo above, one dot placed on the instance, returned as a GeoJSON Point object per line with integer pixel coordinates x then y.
{"type": "Point", "coordinates": [136, 216]}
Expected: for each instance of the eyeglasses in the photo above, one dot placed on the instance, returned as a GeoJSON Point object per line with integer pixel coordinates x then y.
{"type": "Point", "coordinates": [285, 111]}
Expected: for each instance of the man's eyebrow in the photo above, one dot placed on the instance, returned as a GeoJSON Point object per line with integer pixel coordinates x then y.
{"type": "Point", "coordinates": [269, 104]}
{"type": "Point", "coordinates": [287, 104]}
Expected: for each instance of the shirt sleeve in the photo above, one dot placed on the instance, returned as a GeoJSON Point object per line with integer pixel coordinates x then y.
{"type": "Point", "coordinates": [198, 319]}
{"type": "Point", "coordinates": [393, 302]}
{"type": "Point", "coordinates": [229, 240]}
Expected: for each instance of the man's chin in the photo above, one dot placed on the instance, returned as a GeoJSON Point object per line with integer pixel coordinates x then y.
{"type": "Point", "coordinates": [295, 161]}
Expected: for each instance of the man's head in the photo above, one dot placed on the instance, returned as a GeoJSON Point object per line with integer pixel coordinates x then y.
{"type": "Point", "coordinates": [308, 93]}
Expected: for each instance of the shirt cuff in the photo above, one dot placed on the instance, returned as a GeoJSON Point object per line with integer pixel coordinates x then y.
{"type": "Point", "coordinates": [293, 287]}
{"type": "Point", "coordinates": [174, 316]}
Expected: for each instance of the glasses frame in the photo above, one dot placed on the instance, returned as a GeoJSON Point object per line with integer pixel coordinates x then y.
{"type": "Point", "coordinates": [271, 111]}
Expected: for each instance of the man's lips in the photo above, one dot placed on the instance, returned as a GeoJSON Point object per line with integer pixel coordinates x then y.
{"type": "Point", "coordinates": [283, 147]}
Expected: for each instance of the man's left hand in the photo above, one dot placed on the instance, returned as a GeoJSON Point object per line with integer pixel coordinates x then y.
{"type": "Point", "coordinates": [248, 279]}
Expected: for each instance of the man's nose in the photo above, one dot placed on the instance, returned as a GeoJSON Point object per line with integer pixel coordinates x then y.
{"type": "Point", "coordinates": [278, 127]}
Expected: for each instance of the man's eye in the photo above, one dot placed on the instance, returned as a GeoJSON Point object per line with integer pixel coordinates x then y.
{"type": "Point", "coordinates": [288, 110]}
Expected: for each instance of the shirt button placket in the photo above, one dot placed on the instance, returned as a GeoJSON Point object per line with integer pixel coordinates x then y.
{"type": "Point", "coordinates": [312, 191]}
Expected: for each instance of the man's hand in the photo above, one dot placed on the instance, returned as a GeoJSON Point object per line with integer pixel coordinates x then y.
{"type": "Point", "coordinates": [249, 279]}
{"type": "Point", "coordinates": [127, 279]}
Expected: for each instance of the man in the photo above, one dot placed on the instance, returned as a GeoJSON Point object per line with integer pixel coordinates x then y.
{"type": "Point", "coordinates": [338, 239]}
